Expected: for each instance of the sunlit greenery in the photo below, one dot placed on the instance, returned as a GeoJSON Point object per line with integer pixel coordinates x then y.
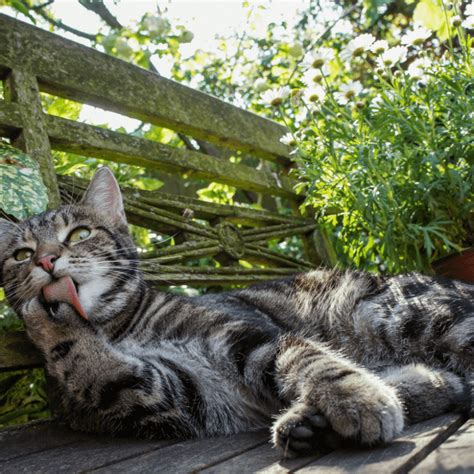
{"type": "Point", "coordinates": [383, 151]}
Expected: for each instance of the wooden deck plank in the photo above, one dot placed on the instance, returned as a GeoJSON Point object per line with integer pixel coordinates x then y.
{"type": "Point", "coordinates": [35, 437]}
{"type": "Point", "coordinates": [190, 456]}
{"type": "Point", "coordinates": [399, 456]}
{"type": "Point", "coordinates": [456, 454]}
{"type": "Point", "coordinates": [264, 459]}
{"type": "Point", "coordinates": [89, 452]}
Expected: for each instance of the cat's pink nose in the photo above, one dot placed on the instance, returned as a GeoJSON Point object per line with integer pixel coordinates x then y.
{"type": "Point", "coordinates": [47, 262]}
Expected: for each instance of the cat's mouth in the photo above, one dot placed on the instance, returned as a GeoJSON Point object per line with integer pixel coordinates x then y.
{"type": "Point", "coordinates": [63, 290]}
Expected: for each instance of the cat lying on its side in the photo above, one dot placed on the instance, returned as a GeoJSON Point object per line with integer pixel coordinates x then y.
{"type": "Point", "coordinates": [331, 354]}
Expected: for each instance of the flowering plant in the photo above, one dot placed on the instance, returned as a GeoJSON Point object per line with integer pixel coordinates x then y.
{"type": "Point", "coordinates": [386, 151]}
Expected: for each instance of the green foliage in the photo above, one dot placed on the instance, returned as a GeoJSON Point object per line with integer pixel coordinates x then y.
{"type": "Point", "coordinates": [22, 397]}
{"type": "Point", "coordinates": [22, 192]}
{"type": "Point", "coordinates": [394, 151]}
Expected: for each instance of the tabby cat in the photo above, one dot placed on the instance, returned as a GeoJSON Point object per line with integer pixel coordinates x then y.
{"type": "Point", "coordinates": [328, 355]}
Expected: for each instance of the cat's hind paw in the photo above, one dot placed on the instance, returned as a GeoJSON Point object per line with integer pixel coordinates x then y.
{"type": "Point", "coordinates": [362, 408]}
{"type": "Point", "coordinates": [301, 429]}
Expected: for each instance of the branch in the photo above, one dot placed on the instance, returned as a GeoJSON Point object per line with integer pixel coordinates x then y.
{"type": "Point", "coordinates": [98, 7]}
{"type": "Point", "coordinates": [59, 24]}
{"type": "Point", "coordinates": [43, 5]}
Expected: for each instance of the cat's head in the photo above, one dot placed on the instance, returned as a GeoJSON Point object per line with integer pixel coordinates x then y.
{"type": "Point", "coordinates": [79, 255]}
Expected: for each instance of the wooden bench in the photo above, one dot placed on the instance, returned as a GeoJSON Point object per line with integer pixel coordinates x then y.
{"type": "Point", "coordinates": [34, 61]}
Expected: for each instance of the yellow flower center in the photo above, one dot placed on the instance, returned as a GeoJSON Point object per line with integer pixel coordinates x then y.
{"type": "Point", "coordinates": [276, 101]}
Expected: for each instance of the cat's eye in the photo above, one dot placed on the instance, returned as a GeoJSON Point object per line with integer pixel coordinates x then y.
{"type": "Point", "coordinates": [23, 254]}
{"type": "Point", "coordinates": [78, 234]}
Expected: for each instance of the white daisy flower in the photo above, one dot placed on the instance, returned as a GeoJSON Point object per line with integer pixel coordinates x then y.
{"type": "Point", "coordinates": [416, 70]}
{"type": "Point", "coordinates": [186, 36]}
{"type": "Point", "coordinates": [296, 50]}
{"type": "Point", "coordinates": [288, 139]}
{"type": "Point", "coordinates": [319, 57]}
{"type": "Point", "coordinates": [123, 48]}
{"type": "Point", "coordinates": [348, 91]}
{"type": "Point", "coordinates": [376, 102]}
{"type": "Point", "coordinates": [456, 21]}
{"type": "Point", "coordinates": [157, 25]}
{"type": "Point", "coordinates": [469, 11]}
{"type": "Point", "coordinates": [416, 37]}
{"type": "Point", "coordinates": [315, 94]}
{"type": "Point", "coordinates": [358, 46]}
{"type": "Point", "coordinates": [392, 56]}
{"type": "Point", "coordinates": [468, 23]}
{"type": "Point", "coordinates": [379, 47]}
{"type": "Point", "coordinates": [315, 76]}
{"type": "Point", "coordinates": [275, 97]}
{"type": "Point", "coordinates": [296, 96]}
{"type": "Point", "coordinates": [260, 85]}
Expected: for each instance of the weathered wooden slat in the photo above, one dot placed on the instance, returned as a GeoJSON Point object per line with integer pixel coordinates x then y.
{"type": "Point", "coordinates": [257, 252]}
{"type": "Point", "coordinates": [190, 456]}
{"type": "Point", "coordinates": [17, 352]}
{"type": "Point", "coordinates": [202, 209]}
{"type": "Point", "coordinates": [454, 455]}
{"type": "Point", "coordinates": [192, 279]}
{"type": "Point", "coordinates": [82, 139]}
{"type": "Point", "coordinates": [87, 140]}
{"type": "Point", "coordinates": [397, 457]}
{"type": "Point", "coordinates": [21, 88]}
{"type": "Point", "coordinates": [184, 253]}
{"type": "Point", "coordinates": [35, 437]}
{"type": "Point", "coordinates": [71, 70]}
{"type": "Point", "coordinates": [11, 121]}
{"type": "Point", "coordinates": [278, 234]}
{"type": "Point", "coordinates": [264, 459]}
{"type": "Point", "coordinates": [86, 454]}
{"type": "Point", "coordinates": [232, 271]}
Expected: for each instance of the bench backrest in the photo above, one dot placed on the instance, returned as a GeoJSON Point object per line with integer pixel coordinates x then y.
{"type": "Point", "coordinates": [33, 61]}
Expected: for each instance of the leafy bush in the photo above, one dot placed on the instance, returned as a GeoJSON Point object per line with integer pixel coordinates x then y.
{"type": "Point", "coordinates": [387, 139]}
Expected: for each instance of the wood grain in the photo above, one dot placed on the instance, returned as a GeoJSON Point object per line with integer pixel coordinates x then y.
{"type": "Point", "coordinates": [190, 456]}
{"type": "Point", "coordinates": [397, 457]}
{"type": "Point", "coordinates": [86, 452]}
{"type": "Point", "coordinates": [264, 459]}
{"type": "Point", "coordinates": [456, 454]}
{"type": "Point", "coordinates": [76, 72]}
{"type": "Point", "coordinates": [21, 88]}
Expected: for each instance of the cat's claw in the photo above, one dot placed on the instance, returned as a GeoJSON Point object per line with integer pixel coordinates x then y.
{"type": "Point", "coordinates": [302, 430]}
{"type": "Point", "coordinates": [368, 416]}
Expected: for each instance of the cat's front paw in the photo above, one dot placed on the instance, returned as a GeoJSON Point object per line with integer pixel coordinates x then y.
{"type": "Point", "coordinates": [302, 429]}
{"type": "Point", "coordinates": [361, 407]}
{"type": "Point", "coordinates": [46, 325]}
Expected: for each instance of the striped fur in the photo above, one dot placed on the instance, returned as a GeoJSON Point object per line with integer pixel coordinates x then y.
{"type": "Point", "coordinates": [329, 355]}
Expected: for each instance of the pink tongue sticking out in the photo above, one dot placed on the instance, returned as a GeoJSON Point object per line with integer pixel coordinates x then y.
{"type": "Point", "coordinates": [64, 291]}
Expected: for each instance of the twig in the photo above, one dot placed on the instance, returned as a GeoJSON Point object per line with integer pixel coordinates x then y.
{"type": "Point", "coordinates": [59, 24]}
{"type": "Point", "coordinates": [43, 5]}
{"type": "Point", "coordinates": [98, 7]}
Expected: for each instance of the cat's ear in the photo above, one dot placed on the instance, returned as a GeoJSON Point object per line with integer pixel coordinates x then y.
{"type": "Point", "coordinates": [103, 194]}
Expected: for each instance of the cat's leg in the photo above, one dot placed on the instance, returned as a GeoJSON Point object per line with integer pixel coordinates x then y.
{"type": "Point", "coordinates": [331, 397]}
{"type": "Point", "coordinates": [106, 390]}
{"type": "Point", "coordinates": [427, 392]}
